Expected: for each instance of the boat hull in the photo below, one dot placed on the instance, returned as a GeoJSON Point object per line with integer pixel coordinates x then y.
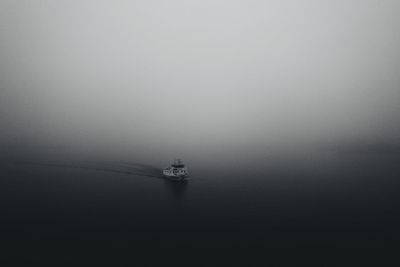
{"type": "Point", "coordinates": [175, 177]}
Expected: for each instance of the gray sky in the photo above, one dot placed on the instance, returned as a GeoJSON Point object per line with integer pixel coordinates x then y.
{"type": "Point", "coordinates": [198, 75]}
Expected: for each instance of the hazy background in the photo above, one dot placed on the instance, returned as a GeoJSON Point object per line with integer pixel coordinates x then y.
{"type": "Point", "coordinates": [197, 79]}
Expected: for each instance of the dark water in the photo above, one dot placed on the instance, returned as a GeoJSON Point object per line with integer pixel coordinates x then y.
{"type": "Point", "coordinates": [330, 209]}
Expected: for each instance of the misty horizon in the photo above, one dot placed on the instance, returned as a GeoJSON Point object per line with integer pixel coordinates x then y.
{"type": "Point", "coordinates": [180, 77]}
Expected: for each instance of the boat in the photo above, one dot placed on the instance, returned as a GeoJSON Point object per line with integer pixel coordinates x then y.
{"type": "Point", "coordinates": [177, 171]}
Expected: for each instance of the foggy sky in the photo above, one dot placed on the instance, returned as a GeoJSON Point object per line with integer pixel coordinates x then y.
{"type": "Point", "coordinates": [198, 75]}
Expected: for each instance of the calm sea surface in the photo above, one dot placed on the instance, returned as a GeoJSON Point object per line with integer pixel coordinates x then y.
{"type": "Point", "coordinates": [339, 209]}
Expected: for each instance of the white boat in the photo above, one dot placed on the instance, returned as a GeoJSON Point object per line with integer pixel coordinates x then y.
{"type": "Point", "coordinates": [177, 171]}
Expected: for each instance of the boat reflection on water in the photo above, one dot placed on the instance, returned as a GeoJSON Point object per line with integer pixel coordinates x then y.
{"type": "Point", "coordinates": [177, 188]}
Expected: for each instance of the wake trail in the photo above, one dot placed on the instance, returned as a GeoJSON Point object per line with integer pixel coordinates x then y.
{"type": "Point", "coordinates": [120, 168]}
